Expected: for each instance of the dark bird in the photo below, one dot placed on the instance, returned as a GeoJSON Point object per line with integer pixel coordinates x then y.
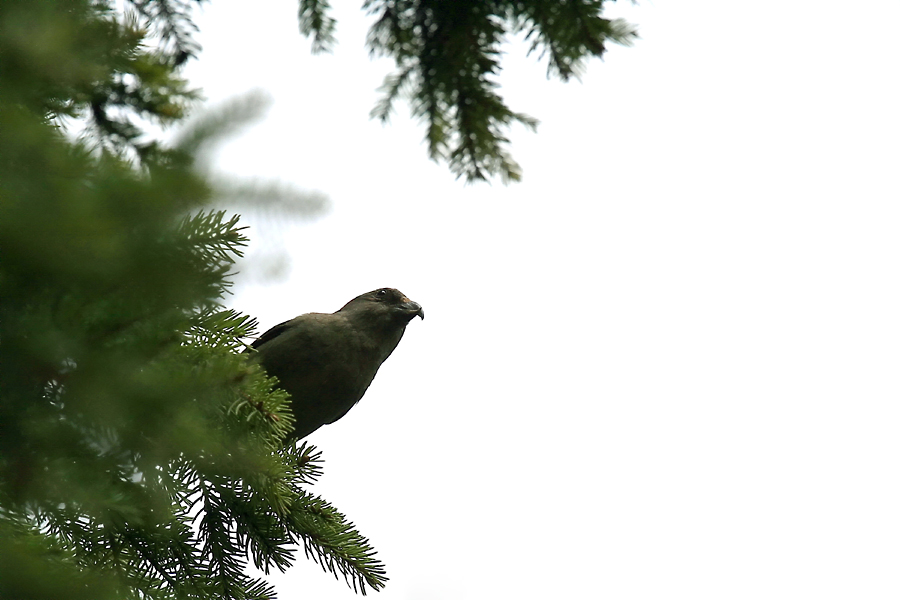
{"type": "Point", "coordinates": [326, 362]}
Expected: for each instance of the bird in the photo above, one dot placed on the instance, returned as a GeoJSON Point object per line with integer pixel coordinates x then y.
{"type": "Point", "coordinates": [326, 362]}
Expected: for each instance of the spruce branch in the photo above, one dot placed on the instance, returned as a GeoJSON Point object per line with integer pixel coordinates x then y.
{"type": "Point", "coordinates": [447, 64]}
{"type": "Point", "coordinates": [315, 22]}
{"type": "Point", "coordinates": [170, 21]}
{"type": "Point", "coordinates": [333, 542]}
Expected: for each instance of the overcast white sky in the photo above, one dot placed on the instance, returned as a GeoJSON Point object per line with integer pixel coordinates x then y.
{"type": "Point", "coordinates": [665, 365]}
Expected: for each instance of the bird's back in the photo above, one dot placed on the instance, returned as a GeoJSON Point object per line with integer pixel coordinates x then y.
{"type": "Point", "coordinates": [322, 359]}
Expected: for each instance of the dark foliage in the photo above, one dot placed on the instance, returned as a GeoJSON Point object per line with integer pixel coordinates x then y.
{"type": "Point", "coordinates": [448, 63]}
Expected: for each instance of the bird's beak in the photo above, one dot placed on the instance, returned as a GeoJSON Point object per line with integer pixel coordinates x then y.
{"type": "Point", "coordinates": [414, 309]}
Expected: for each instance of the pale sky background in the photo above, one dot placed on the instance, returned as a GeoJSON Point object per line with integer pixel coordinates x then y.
{"type": "Point", "coordinates": [665, 365]}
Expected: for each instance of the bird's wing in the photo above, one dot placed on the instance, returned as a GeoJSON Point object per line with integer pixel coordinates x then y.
{"type": "Point", "coordinates": [271, 334]}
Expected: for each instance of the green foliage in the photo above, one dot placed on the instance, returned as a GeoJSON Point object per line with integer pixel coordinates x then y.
{"type": "Point", "coordinates": [170, 23]}
{"type": "Point", "coordinates": [315, 22]}
{"type": "Point", "coordinates": [141, 454]}
{"type": "Point", "coordinates": [447, 56]}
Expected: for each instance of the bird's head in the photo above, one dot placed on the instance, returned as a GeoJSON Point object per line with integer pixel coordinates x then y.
{"type": "Point", "coordinates": [387, 304]}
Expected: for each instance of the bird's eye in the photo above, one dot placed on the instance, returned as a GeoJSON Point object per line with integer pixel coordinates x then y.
{"type": "Point", "coordinates": [381, 293]}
